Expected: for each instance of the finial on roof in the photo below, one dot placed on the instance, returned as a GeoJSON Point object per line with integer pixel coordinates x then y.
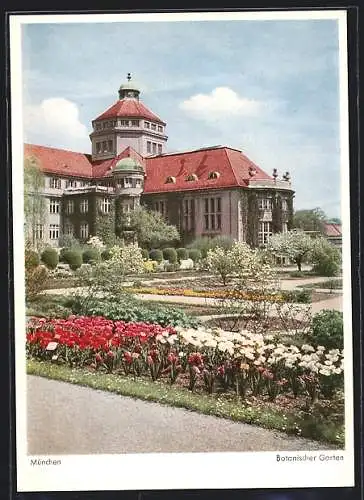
{"type": "Point", "coordinates": [128, 77]}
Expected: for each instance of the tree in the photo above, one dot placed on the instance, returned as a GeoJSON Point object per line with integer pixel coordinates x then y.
{"type": "Point", "coordinates": [151, 228]}
{"type": "Point", "coordinates": [295, 244]}
{"type": "Point", "coordinates": [326, 258]}
{"type": "Point", "coordinates": [34, 200]}
{"type": "Point", "coordinates": [310, 220]}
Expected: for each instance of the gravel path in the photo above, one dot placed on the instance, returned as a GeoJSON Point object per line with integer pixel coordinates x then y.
{"type": "Point", "coordinates": [69, 419]}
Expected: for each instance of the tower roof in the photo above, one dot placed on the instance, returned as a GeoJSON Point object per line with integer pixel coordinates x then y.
{"type": "Point", "coordinates": [128, 164]}
{"type": "Point", "coordinates": [129, 108]}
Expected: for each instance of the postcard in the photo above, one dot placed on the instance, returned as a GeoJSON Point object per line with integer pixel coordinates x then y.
{"type": "Point", "coordinates": [181, 232]}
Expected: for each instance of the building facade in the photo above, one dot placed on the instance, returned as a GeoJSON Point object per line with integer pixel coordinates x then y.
{"type": "Point", "coordinates": [205, 192]}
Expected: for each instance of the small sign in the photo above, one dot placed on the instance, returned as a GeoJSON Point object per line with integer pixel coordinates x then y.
{"type": "Point", "coordinates": [52, 346]}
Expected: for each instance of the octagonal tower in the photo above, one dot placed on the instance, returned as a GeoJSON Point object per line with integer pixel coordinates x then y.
{"type": "Point", "coordinates": [128, 122]}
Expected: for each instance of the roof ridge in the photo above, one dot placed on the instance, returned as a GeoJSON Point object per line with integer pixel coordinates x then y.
{"type": "Point", "coordinates": [232, 168]}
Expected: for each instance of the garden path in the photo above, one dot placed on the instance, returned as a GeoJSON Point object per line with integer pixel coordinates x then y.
{"type": "Point", "coordinates": [68, 419]}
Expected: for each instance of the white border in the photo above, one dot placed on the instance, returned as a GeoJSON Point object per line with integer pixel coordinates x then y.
{"type": "Point", "coordinates": [171, 471]}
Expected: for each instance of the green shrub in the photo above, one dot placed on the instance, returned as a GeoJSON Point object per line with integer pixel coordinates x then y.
{"type": "Point", "coordinates": [194, 254]}
{"type": "Point", "coordinates": [156, 255]}
{"type": "Point", "coordinates": [171, 267]}
{"type": "Point", "coordinates": [328, 329]}
{"type": "Point", "coordinates": [224, 242]}
{"type": "Point", "coordinates": [73, 259]}
{"type": "Point", "coordinates": [32, 259]}
{"type": "Point", "coordinates": [170, 254]}
{"type": "Point", "coordinates": [202, 244]}
{"type": "Point", "coordinates": [105, 255]}
{"type": "Point", "coordinates": [50, 258]}
{"type": "Point", "coordinates": [303, 296]}
{"type": "Point", "coordinates": [182, 254]}
{"type": "Point", "coordinates": [132, 310]}
{"type": "Point", "coordinates": [145, 253]}
{"type": "Point", "coordinates": [90, 255]}
{"type": "Point", "coordinates": [326, 259]}
{"type": "Point", "coordinates": [35, 281]}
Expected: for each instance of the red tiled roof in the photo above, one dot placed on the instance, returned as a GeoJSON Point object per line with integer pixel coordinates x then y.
{"type": "Point", "coordinates": [103, 168]}
{"type": "Point", "coordinates": [130, 108]}
{"type": "Point", "coordinates": [60, 161]}
{"type": "Point", "coordinates": [332, 230]}
{"type": "Point", "coordinates": [232, 165]}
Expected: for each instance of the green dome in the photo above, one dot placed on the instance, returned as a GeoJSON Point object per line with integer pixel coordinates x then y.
{"type": "Point", "coordinates": [127, 164]}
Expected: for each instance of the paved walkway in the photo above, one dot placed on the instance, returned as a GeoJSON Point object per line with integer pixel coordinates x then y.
{"type": "Point", "coordinates": [69, 419]}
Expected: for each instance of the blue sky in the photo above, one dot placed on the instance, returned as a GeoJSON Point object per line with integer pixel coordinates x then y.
{"type": "Point", "coordinates": [269, 88]}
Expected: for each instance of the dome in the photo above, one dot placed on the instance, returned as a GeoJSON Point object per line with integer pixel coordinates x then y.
{"type": "Point", "coordinates": [128, 164]}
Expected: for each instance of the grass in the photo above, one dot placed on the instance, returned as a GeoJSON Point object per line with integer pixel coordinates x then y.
{"type": "Point", "coordinates": [220, 406]}
{"type": "Point", "coordinates": [332, 284]}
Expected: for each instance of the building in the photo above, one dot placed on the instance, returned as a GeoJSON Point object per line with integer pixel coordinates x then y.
{"type": "Point", "coordinates": [205, 192]}
{"type": "Point", "coordinates": [333, 233]}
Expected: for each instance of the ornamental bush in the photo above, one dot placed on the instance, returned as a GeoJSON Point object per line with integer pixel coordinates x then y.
{"type": "Point", "coordinates": [171, 267]}
{"type": "Point", "coordinates": [156, 255]}
{"type": "Point", "coordinates": [145, 253]}
{"type": "Point", "coordinates": [91, 254]}
{"type": "Point", "coordinates": [105, 255]}
{"type": "Point", "coordinates": [326, 258]}
{"type": "Point", "coordinates": [194, 254]}
{"type": "Point", "coordinates": [32, 259]}
{"type": "Point", "coordinates": [182, 254]}
{"type": "Point", "coordinates": [170, 254]}
{"type": "Point", "coordinates": [73, 259]}
{"type": "Point", "coordinates": [35, 281]}
{"type": "Point", "coordinates": [328, 329]}
{"type": "Point", "coordinates": [50, 258]}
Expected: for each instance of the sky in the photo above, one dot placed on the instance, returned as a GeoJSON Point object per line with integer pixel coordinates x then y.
{"type": "Point", "coordinates": [268, 88]}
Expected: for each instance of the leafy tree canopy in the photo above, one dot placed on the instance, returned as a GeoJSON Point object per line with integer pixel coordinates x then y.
{"type": "Point", "coordinates": [310, 220]}
{"type": "Point", "coordinates": [151, 228]}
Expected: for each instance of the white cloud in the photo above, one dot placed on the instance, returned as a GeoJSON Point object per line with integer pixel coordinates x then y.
{"type": "Point", "coordinates": [222, 102]}
{"type": "Point", "coordinates": [55, 122]}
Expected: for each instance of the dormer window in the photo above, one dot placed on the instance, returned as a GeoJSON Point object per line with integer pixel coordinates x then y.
{"type": "Point", "coordinates": [170, 180]}
{"type": "Point", "coordinates": [214, 175]}
{"type": "Point", "coordinates": [192, 177]}
{"type": "Point", "coordinates": [146, 124]}
{"type": "Point", "coordinates": [154, 126]}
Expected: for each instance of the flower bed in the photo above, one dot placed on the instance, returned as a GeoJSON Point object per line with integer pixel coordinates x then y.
{"type": "Point", "coordinates": [242, 363]}
{"type": "Point", "coordinates": [214, 294]}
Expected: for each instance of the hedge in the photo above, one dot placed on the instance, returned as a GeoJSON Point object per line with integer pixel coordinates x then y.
{"type": "Point", "coordinates": [50, 258]}
{"type": "Point", "coordinates": [170, 254]}
{"type": "Point", "coordinates": [182, 253]}
{"type": "Point", "coordinates": [156, 255]}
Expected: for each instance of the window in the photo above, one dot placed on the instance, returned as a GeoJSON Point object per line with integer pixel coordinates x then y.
{"type": "Point", "coordinates": [212, 214]}
{"type": "Point", "coordinates": [53, 231]}
{"type": "Point", "coordinates": [84, 230]}
{"type": "Point", "coordinates": [71, 183]}
{"type": "Point", "coordinates": [128, 182]}
{"type": "Point", "coordinates": [153, 126]}
{"type": "Point", "coordinates": [124, 123]}
{"type": "Point", "coordinates": [159, 149]}
{"type": "Point", "coordinates": [98, 126]}
{"type": "Point", "coordinates": [160, 206]}
{"type": "Point", "coordinates": [68, 229]}
{"type": "Point", "coordinates": [105, 205]}
{"type": "Point", "coordinates": [70, 206]}
{"type": "Point", "coordinates": [54, 206]}
{"type": "Point", "coordinates": [160, 129]}
{"type": "Point", "coordinates": [135, 123]}
{"type": "Point", "coordinates": [192, 177]}
{"type": "Point", "coordinates": [214, 175]}
{"type": "Point", "coordinates": [109, 145]}
{"type": "Point", "coordinates": [154, 147]}
{"type": "Point", "coordinates": [98, 147]}
{"type": "Point", "coordinates": [84, 183]}
{"type": "Point", "coordinates": [39, 232]}
{"type": "Point", "coordinates": [138, 182]}
{"type": "Point", "coordinates": [84, 206]}
{"type": "Point", "coordinates": [146, 124]}
{"type": "Point", "coordinates": [171, 180]}
{"type": "Point", "coordinates": [284, 204]}
{"type": "Point", "coordinates": [127, 207]}
{"type": "Point", "coordinates": [265, 230]}
{"type": "Point", "coordinates": [188, 214]}
{"type": "Point", "coordinates": [265, 203]}
{"type": "Point", "coordinates": [149, 147]}
{"type": "Point", "coordinates": [55, 183]}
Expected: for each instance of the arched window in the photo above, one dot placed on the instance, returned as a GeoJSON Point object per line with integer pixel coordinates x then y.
{"type": "Point", "coordinates": [214, 175]}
